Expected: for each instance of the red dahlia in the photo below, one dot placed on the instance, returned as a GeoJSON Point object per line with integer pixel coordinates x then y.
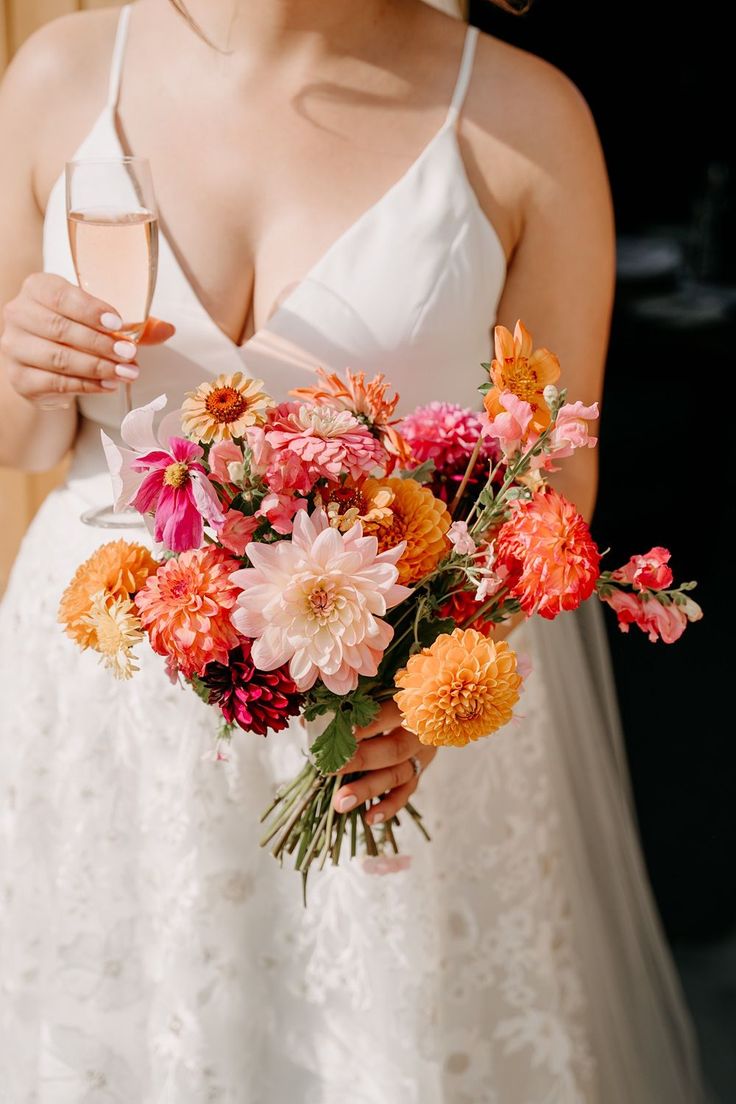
{"type": "Point", "coordinates": [257, 701]}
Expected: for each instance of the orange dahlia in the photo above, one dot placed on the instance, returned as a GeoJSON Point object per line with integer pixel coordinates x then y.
{"type": "Point", "coordinates": [551, 560]}
{"type": "Point", "coordinates": [418, 518]}
{"type": "Point", "coordinates": [185, 608]}
{"type": "Point", "coordinates": [369, 401]}
{"type": "Point", "coordinates": [462, 688]}
{"type": "Point", "coordinates": [523, 371]}
{"type": "Point", "coordinates": [224, 408]}
{"type": "Point", "coordinates": [117, 570]}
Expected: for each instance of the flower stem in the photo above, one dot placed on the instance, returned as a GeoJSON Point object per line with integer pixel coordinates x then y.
{"type": "Point", "coordinates": [468, 472]}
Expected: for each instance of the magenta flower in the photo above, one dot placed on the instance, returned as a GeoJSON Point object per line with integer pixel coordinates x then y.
{"type": "Point", "coordinates": [162, 474]}
{"type": "Point", "coordinates": [446, 433]}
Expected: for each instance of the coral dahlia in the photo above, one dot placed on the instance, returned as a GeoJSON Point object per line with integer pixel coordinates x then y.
{"type": "Point", "coordinates": [418, 519]}
{"type": "Point", "coordinates": [185, 609]}
{"type": "Point", "coordinates": [460, 689]}
{"type": "Point", "coordinates": [117, 569]}
{"type": "Point", "coordinates": [317, 601]}
{"type": "Point", "coordinates": [550, 560]}
{"type": "Point", "coordinates": [257, 701]}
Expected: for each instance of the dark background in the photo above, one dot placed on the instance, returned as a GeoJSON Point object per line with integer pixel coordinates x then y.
{"type": "Point", "coordinates": [659, 78]}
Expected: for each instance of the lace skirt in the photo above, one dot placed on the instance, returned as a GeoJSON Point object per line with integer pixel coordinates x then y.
{"type": "Point", "coordinates": [152, 952]}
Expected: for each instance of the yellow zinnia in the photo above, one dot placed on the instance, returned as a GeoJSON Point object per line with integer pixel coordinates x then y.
{"type": "Point", "coordinates": [462, 688]}
{"type": "Point", "coordinates": [224, 408]}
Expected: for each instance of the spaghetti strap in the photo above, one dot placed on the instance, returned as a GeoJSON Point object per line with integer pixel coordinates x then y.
{"type": "Point", "coordinates": [464, 74]}
{"type": "Point", "coordinates": [118, 56]}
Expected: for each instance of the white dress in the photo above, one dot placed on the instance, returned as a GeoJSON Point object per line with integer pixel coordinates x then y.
{"type": "Point", "coordinates": [152, 954]}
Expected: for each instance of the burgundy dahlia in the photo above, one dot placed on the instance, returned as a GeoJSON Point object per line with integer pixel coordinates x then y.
{"type": "Point", "coordinates": [257, 701]}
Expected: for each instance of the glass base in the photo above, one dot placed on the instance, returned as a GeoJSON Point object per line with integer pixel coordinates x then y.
{"type": "Point", "coordinates": [106, 517]}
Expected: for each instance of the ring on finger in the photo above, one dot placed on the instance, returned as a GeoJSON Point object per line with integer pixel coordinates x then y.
{"type": "Point", "coordinates": [416, 764]}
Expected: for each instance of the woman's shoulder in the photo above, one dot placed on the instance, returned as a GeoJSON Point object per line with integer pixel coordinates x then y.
{"type": "Point", "coordinates": [56, 85]}
{"type": "Point", "coordinates": [527, 102]}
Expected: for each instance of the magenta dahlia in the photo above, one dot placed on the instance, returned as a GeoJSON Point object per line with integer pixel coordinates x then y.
{"type": "Point", "coordinates": [446, 433]}
{"type": "Point", "coordinates": [257, 701]}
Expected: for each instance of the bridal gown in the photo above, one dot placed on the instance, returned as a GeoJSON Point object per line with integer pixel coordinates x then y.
{"type": "Point", "coordinates": [152, 953]}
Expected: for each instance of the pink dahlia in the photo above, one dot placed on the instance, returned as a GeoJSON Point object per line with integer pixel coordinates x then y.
{"type": "Point", "coordinates": [446, 433]}
{"type": "Point", "coordinates": [162, 474]}
{"type": "Point", "coordinates": [320, 442]}
{"type": "Point", "coordinates": [316, 602]}
{"type": "Point", "coordinates": [185, 609]}
{"type": "Point", "coordinates": [257, 701]}
{"type": "Point", "coordinates": [549, 557]}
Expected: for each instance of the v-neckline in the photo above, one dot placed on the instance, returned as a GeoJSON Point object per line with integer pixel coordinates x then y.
{"type": "Point", "coordinates": [334, 246]}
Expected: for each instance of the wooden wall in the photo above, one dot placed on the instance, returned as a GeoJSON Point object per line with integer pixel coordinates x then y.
{"type": "Point", "coordinates": [21, 495]}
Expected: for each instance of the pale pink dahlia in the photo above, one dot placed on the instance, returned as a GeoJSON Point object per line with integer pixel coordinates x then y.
{"type": "Point", "coordinates": [446, 433]}
{"type": "Point", "coordinates": [322, 443]}
{"type": "Point", "coordinates": [316, 601]}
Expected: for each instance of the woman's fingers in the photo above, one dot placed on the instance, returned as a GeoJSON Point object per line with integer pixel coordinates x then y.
{"type": "Point", "coordinates": [387, 718]}
{"type": "Point", "coordinates": [33, 318]}
{"type": "Point", "coordinates": [36, 352]}
{"type": "Point", "coordinates": [373, 785]}
{"type": "Point", "coordinates": [382, 751]}
{"type": "Point", "coordinates": [60, 297]}
{"type": "Point", "coordinates": [392, 804]}
{"type": "Point", "coordinates": [156, 332]}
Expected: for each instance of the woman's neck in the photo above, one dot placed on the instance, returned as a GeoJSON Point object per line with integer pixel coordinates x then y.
{"type": "Point", "coordinates": [276, 27]}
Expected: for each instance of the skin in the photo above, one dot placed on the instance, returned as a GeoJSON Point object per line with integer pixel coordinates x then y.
{"type": "Point", "coordinates": [310, 111]}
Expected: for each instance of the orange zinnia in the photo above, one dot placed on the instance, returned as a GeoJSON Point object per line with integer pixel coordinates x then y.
{"type": "Point", "coordinates": [117, 569]}
{"type": "Point", "coordinates": [418, 518]}
{"type": "Point", "coordinates": [462, 688]}
{"type": "Point", "coordinates": [522, 371]}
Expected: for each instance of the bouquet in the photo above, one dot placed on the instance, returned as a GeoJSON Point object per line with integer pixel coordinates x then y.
{"type": "Point", "coordinates": [317, 557]}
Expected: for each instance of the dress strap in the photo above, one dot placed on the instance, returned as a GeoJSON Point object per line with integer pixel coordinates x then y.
{"type": "Point", "coordinates": [464, 74]}
{"type": "Point", "coordinates": [118, 56]}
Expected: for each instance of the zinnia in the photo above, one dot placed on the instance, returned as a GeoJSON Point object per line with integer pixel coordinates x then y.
{"type": "Point", "coordinates": [185, 608]}
{"type": "Point", "coordinates": [319, 442]}
{"type": "Point", "coordinates": [523, 371]}
{"type": "Point", "coordinates": [117, 569]}
{"type": "Point", "coordinates": [224, 408]}
{"type": "Point", "coordinates": [257, 701]}
{"type": "Point", "coordinates": [420, 521]}
{"type": "Point", "coordinates": [550, 559]}
{"type": "Point", "coordinates": [460, 689]}
{"type": "Point", "coordinates": [370, 401]}
{"type": "Point", "coordinates": [316, 602]}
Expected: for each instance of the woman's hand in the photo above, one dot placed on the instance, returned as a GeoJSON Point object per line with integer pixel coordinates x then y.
{"type": "Point", "coordinates": [58, 341]}
{"type": "Point", "coordinates": [385, 752]}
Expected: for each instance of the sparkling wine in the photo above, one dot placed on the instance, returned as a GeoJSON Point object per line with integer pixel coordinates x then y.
{"type": "Point", "coordinates": [115, 258]}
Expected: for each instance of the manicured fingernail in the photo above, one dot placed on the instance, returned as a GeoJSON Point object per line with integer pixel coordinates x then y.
{"type": "Point", "coordinates": [127, 371]}
{"type": "Point", "coordinates": [109, 385]}
{"type": "Point", "coordinates": [377, 818]}
{"type": "Point", "coordinates": [124, 349]}
{"type": "Point", "coordinates": [345, 804]}
{"type": "Point", "coordinates": [111, 321]}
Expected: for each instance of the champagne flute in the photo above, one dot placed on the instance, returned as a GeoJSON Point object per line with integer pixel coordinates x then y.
{"type": "Point", "coordinates": [112, 221]}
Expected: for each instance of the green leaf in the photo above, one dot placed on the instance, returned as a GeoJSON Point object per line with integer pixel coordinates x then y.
{"type": "Point", "coordinates": [422, 474]}
{"type": "Point", "coordinates": [337, 744]}
{"type": "Point", "coordinates": [485, 387]}
{"type": "Point", "coordinates": [200, 689]}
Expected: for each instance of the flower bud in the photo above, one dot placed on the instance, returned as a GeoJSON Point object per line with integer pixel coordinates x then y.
{"type": "Point", "coordinates": [551, 394]}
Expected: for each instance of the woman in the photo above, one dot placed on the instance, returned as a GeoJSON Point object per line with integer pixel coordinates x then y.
{"type": "Point", "coordinates": [363, 184]}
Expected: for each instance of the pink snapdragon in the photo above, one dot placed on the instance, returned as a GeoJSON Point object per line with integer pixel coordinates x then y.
{"type": "Point", "coordinates": [162, 474]}
{"type": "Point", "coordinates": [460, 538]}
{"type": "Point", "coordinates": [571, 429]}
{"type": "Point", "coordinates": [236, 531]}
{"type": "Point", "coordinates": [648, 572]}
{"type": "Point", "coordinates": [510, 428]}
{"type": "Point", "coordinates": [661, 621]}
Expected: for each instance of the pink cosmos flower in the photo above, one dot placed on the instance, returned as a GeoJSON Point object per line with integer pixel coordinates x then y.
{"type": "Point", "coordinates": [236, 531]}
{"type": "Point", "coordinates": [647, 572]}
{"type": "Point", "coordinates": [510, 428]}
{"type": "Point", "coordinates": [162, 474]}
{"type": "Point", "coordinates": [309, 442]}
{"type": "Point", "coordinates": [317, 601]}
{"type": "Point", "coordinates": [460, 538]}
{"type": "Point", "coordinates": [445, 433]}
{"type": "Point", "coordinates": [571, 429]}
